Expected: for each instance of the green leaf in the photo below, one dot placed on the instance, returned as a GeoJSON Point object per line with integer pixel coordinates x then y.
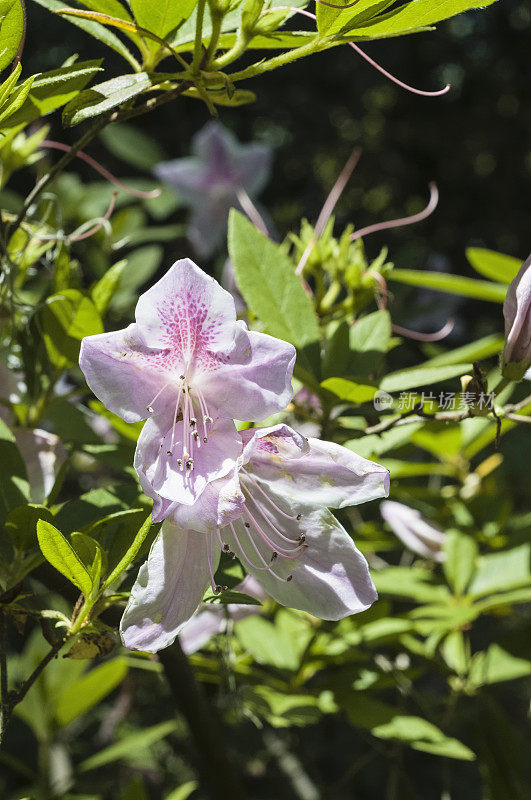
{"type": "Point", "coordinates": [59, 552]}
{"type": "Point", "coordinates": [11, 30]}
{"type": "Point", "coordinates": [476, 351]}
{"type": "Point", "coordinates": [349, 391]}
{"type": "Point", "coordinates": [387, 722]}
{"type": "Point", "coordinates": [103, 291]}
{"type": "Point", "coordinates": [496, 266]}
{"type": "Point", "coordinates": [161, 17]}
{"type": "Point", "coordinates": [130, 554]}
{"type": "Point", "coordinates": [105, 96]}
{"type": "Point", "coordinates": [451, 284]}
{"type": "Point", "coordinates": [266, 278]}
{"type": "Point", "coordinates": [501, 571]}
{"type": "Point", "coordinates": [65, 319]}
{"type": "Point", "coordinates": [95, 29]}
{"type": "Point", "coordinates": [422, 376]}
{"type": "Point", "coordinates": [496, 665]}
{"type": "Point", "coordinates": [16, 99]}
{"type": "Point", "coordinates": [132, 145]}
{"type": "Point", "coordinates": [183, 792]}
{"type": "Point", "coordinates": [461, 552]}
{"type": "Point", "coordinates": [21, 524]}
{"type": "Point", "coordinates": [90, 553]}
{"type": "Point", "coordinates": [51, 90]}
{"type": "Point", "coordinates": [222, 96]}
{"type": "Point", "coordinates": [14, 486]}
{"type": "Point", "coordinates": [130, 746]}
{"type": "Point", "coordinates": [270, 643]}
{"type": "Point", "coordinates": [410, 582]}
{"type": "Point", "coordinates": [87, 691]}
{"type": "Point", "coordinates": [229, 597]}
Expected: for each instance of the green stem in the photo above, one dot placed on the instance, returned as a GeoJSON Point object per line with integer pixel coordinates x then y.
{"type": "Point", "coordinates": [238, 48]}
{"type": "Point", "coordinates": [278, 61]}
{"type": "Point", "coordinates": [198, 47]}
{"type": "Point", "coordinates": [5, 711]}
{"type": "Point", "coordinates": [501, 385]}
{"type": "Point", "coordinates": [217, 22]}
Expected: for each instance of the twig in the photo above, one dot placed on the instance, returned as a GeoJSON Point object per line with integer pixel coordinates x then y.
{"type": "Point", "coordinates": [4, 698]}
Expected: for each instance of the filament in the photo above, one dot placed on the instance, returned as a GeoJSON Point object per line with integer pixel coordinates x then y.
{"type": "Point", "coordinates": [251, 210]}
{"type": "Point", "coordinates": [48, 143]}
{"type": "Point", "coordinates": [398, 223]}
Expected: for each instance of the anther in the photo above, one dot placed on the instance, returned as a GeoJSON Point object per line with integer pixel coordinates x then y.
{"type": "Point", "coordinates": [301, 538]}
{"type": "Point", "coordinates": [247, 524]}
{"type": "Point", "coordinates": [208, 420]}
{"type": "Point", "coordinates": [169, 453]}
{"type": "Point", "coordinates": [190, 463]}
{"type": "Point", "coordinates": [274, 555]}
{"type": "Point", "coordinates": [182, 377]}
{"type": "Point", "coordinates": [150, 409]}
{"type": "Point", "coordinates": [299, 516]}
{"type": "Point", "coordinates": [180, 463]}
{"type": "Point", "coordinates": [195, 435]}
{"type": "Point", "coordinates": [226, 548]}
{"type": "Point", "coordinates": [193, 422]}
{"type": "Point", "coordinates": [289, 578]}
{"type": "Point", "coordinates": [205, 439]}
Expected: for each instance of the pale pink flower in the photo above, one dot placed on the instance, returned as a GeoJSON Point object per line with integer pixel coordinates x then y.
{"type": "Point", "coordinates": [212, 180]}
{"type": "Point", "coordinates": [517, 313]}
{"type": "Point", "coordinates": [190, 367]}
{"type": "Point", "coordinates": [414, 530]}
{"type": "Point", "coordinates": [284, 536]}
{"type": "Point", "coordinates": [44, 455]}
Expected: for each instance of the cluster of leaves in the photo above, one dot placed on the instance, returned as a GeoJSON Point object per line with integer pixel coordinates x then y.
{"type": "Point", "coordinates": [420, 670]}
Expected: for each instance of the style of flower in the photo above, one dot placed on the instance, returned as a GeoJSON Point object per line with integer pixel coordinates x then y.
{"type": "Point", "coordinates": [212, 618]}
{"type": "Point", "coordinates": [419, 535]}
{"type": "Point", "coordinates": [517, 313]}
{"type": "Point", "coordinates": [284, 535]}
{"type": "Point", "coordinates": [212, 181]}
{"type": "Point", "coordinates": [190, 367]}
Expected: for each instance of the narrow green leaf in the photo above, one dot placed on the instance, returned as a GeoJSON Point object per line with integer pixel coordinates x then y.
{"type": "Point", "coordinates": [476, 351]}
{"type": "Point", "coordinates": [59, 552]}
{"type": "Point", "coordinates": [161, 17]}
{"type": "Point", "coordinates": [105, 96]}
{"type": "Point", "coordinates": [51, 90]}
{"type": "Point", "coordinates": [461, 552]}
{"type": "Point", "coordinates": [496, 266]}
{"type": "Point", "coordinates": [95, 29]}
{"type": "Point", "coordinates": [87, 691]}
{"type": "Point", "coordinates": [130, 746]}
{"type": "Point", "coordinates": [496, 665]}
{"type": "Point", "coordinates": [130, 555]}
{"type": "Point", "coordinates": [132, 145]}
{"type": "Point", "coordinates": [422, 376]}
{"type": "Point", "coordinates": [451, 284]}
{"type": "Point", "coordinates": [349, 391]}
{"type": "Point", "coordinates": [183, 792]}
{"type": "Point", "coordinates": [11, 30]}
{"type": "Point", "coordinates": [14, 486]}
{"type": "Point", "coordinates": [103, 291]}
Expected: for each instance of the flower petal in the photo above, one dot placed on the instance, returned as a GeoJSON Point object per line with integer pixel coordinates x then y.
{"type": "Point", "coordinates": [517, 313]}
{"type": "Point", "coordinates": [310, 471]}
{"type": "Point", "coordinates": [188, 176]}
{"type": "Point", "coordinates": [168, 589]}
{"type": "Point", "coordinates": [122, 372]}
{"type": "Point", "coordinates": [255, 380]}
{"type": "Point", "coordinates": [43, 454]}
{"type": "Point", "coordinates": [220, 502]}
{"type": "Point", "coordinates": [413, 530]}
{"type": "Point", "coordinates": [330, 580]}
{"type": "Point", "coordinates": [188, 313]}
{"type": "Point", "coordinates": [158, 452]}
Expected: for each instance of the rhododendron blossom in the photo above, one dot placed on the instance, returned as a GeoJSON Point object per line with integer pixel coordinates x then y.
{"type": "Point", "coordinates": [219, 176]}
{"type": "Point", "coordinates": [190, 367]}
{"type": "Point", "coordinates": [283, 534]}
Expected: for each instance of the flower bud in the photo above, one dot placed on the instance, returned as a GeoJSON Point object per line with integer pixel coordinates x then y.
{"type": "Point", "coordinates": [517, 313]}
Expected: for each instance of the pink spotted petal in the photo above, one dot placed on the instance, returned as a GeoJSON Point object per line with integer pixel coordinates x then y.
{"type": "Point", "coordinates": [189, 314]}
{"type": "Point", "coordinates": [309, 471]}
{"type": "Point", "coordinates": [168, 589]}
{"type": "Point", "coordinates": [157, 454]}
{"type": "Point", "coordinates": [255, 380]}
{"type": "Point", "coordinates": [330, 580]}
{"type": "Point", "coordinates": [125, 374]}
